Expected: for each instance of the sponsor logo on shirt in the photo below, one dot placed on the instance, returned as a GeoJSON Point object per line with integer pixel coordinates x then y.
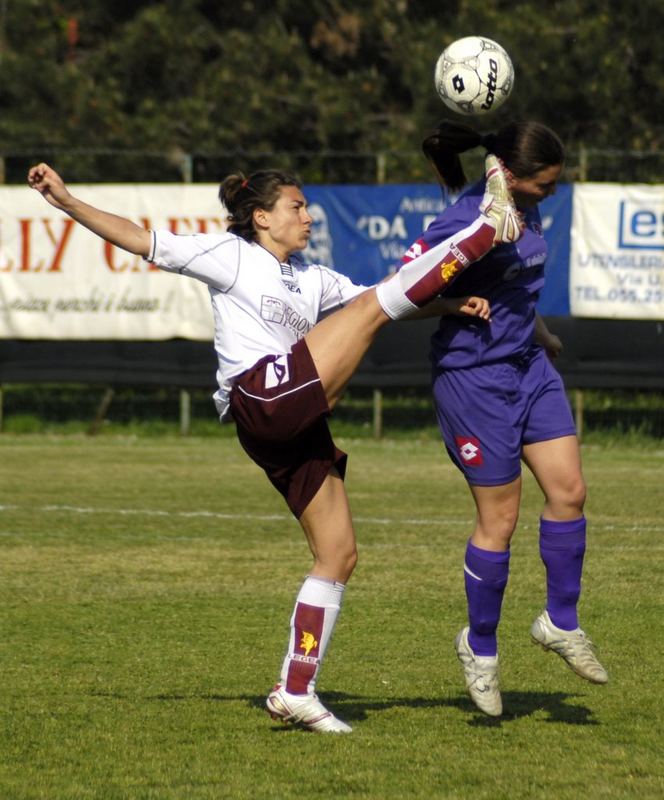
{"type": "Point", "coordinates": [275, 310]}
{"type": "Point", "coordinates": [469, 450]}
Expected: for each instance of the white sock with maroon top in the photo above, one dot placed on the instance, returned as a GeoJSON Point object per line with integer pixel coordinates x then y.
{"type": "Point", "coordinates": [421, 280]}
{"type": "Point", "coordinates": [316, 610]}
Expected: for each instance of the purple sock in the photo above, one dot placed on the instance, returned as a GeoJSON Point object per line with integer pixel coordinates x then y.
{"type": "Point", "coordinates": [485, 575]}
{"type": "Point", "coordinates": [562, 546]}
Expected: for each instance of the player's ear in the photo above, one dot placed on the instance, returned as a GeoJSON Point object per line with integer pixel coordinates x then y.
{"type": "Point", "coordinates": [260, 218]}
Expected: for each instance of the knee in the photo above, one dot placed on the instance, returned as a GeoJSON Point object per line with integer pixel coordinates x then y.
{"type": "Point", "coordinates": [569, 498]}
{"type": "Point", "coordinates": [337, 562]}
{"type": "Point", "coordinates": [498, 528]}
{"type": "Point", "coordinates": [577, 493]}
{"type": "Point", "coordinates": [348, 560]}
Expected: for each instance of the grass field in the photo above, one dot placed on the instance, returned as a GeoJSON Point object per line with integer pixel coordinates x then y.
{"type": "Point", "coordinates": [146, 587]}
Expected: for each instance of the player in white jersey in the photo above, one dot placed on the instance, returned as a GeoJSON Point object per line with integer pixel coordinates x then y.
{"type": "Point", "coordinates": [284, 361]}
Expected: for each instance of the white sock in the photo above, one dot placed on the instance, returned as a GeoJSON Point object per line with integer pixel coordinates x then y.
{"type": "Point", "coordinates": [314, 617]}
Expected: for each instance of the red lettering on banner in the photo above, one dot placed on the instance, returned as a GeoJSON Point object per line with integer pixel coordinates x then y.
{"type": "Point", "coordinates": [26, 233]}
{"type": "Point", "coordinates": [60, 244]}
{"type": "Point", "coordinates": [185, 225]}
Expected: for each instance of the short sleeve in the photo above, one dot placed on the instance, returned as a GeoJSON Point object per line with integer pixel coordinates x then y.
{"type": "Point", "coordinates": [210, 258]}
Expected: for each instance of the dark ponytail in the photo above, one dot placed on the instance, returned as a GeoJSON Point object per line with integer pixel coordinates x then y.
{"type": "Point", "coordinates": [524, 147]}
{"type": "Point", "coordinates": [442, 149]}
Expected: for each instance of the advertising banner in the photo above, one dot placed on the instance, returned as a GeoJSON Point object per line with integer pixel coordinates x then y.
{"type": "Point", "coordinates": [363, 231]}
{"type": "Point", "coordinates": [617, 258]}
{"type": "Point", "coordinates": [59, 281]}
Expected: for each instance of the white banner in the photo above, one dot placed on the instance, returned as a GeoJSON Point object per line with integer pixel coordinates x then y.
{"type": "Point", "coordinates": [617, 251]}
{"type": "Point", "coordinates": [59, 281]}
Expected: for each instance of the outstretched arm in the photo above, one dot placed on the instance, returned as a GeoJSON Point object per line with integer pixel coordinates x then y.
{"type": "Point", "coordinates": [114, 229]}
{"type": "Point", "coordinates": [469, 306]}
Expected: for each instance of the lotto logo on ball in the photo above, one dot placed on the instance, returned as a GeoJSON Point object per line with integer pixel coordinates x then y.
{"type": "Point", "coordinates": [474, 75]}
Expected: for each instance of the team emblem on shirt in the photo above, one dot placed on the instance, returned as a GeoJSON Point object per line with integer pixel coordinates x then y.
{"type": "Point", "coordinates": [469, 450]}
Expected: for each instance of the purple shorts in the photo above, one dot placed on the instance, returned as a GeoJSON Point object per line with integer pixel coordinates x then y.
{"type": "Point", "coordinates": [487, 413]}
{"type": "Point", "coordinates": [280, 412]}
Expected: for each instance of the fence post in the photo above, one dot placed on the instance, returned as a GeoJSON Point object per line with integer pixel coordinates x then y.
{"type": "Point", "coordinates": [378, 413]}
{"type": "Point", "coordinates": [102, 409]}
{"type": "Point", "coordinates": [583, 164]}
{"type": "Point", "coordinates": [187, 168]}
{"type": "Point", "coordinates": [381, 168]}
{"type": "Point", "coordinates": [578, 412]}
{"type": "Point", "coordinates": [185, 412]}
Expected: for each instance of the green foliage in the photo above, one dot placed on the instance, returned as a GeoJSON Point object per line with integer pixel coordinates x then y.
{"type": "Point", "coordinates": [146, 588]}
{"type": "Point", "coordinates": [312, 76]}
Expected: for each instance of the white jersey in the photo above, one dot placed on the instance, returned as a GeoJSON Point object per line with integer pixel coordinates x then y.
{"type": "Point", "coordinates": [261, 307]}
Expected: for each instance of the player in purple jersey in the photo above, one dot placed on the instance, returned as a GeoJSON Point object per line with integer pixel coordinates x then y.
{"type": "Point", "coordinates": [284, 360]}
{"type": "Point", "coordinates": [499, 401]}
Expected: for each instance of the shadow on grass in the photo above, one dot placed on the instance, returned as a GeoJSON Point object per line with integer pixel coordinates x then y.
{"type": "Point", "coordinates": [516, 705]}
{"type": "Point", "coordinates": [554, 706]}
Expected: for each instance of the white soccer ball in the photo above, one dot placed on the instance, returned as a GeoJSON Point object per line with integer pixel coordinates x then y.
{"type": "Point", "coordinates": [474, 75]}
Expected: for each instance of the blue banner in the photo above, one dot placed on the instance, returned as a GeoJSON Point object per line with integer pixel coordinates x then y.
{"type": "Point", "coordinates": [556, 214]}
{"type": "Point", "coordinates": [362, 231]}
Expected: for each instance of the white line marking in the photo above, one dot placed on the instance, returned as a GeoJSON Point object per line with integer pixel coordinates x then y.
{"type": "Point", "coordinates": [152, 512]}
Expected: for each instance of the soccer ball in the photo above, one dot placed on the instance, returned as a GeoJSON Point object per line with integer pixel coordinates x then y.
{"type": "Point", "coordinates": [474, 75]}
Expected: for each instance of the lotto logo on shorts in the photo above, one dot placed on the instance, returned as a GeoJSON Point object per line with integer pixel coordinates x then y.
{"type": "Point", "coordinates": [469, 450]}
{"type": "Point", "coordinates": [276, 372]}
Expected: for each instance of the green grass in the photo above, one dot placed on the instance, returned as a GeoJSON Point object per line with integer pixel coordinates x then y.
{"type": "Point", "coordinates": [146, 586]}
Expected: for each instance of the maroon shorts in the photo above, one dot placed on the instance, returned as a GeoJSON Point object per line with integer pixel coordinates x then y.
{"type": "Point", "coordinates": [280, 411]}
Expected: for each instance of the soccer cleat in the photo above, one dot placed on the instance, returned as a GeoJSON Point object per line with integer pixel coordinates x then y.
{"type": "Point", "coordinates": [481, 673]}
{"type": "Point", "coordinates": [574, 647]}
{"type": "Point", "coordinates": [305, 709]}
{"type": "Point", "coordinates": [498, 204]}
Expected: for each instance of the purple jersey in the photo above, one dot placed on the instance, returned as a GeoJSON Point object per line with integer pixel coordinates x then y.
{"type": "Point", "coordinates": [510, 276]}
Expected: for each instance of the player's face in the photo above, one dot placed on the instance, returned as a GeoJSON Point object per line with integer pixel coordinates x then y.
{"type": "Point", "coordinates": [287, 227]}
{"type": "Point", "coordinates": [528, 192]}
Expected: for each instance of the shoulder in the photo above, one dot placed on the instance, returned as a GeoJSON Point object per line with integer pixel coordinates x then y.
{"type": "Point", "coordinates": [199, 241]}
{"type": "Point", "coordinates": [458, 215]}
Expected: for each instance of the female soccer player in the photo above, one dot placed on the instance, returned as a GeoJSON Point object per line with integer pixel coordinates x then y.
{"type": "Point", "coordinates": [284, 362]}
{"type": "Point", "coordinates": [499, 401]}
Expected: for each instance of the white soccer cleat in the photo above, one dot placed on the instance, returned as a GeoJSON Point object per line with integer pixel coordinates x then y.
{"type": "Point", "coordinates": [498, 204]}
{"type": "Point", "coordinates": [481, 673]}
{"type": "Point", "coordinates": [574, 647]}
{"type": "Point", "coordinates": [303, 709]}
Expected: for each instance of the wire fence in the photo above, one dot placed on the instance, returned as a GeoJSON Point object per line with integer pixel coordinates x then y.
{"type": "Point", "coordinates": [93, 409]}
{"type": "Point", "coordinates": [89, 165]}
